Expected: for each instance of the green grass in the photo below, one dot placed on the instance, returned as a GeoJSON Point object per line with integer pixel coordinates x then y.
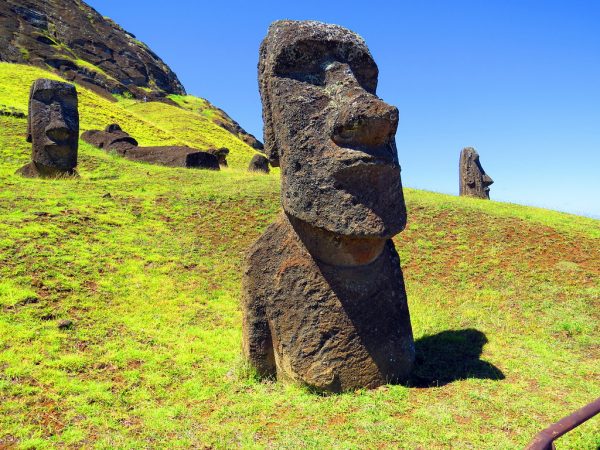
{"type": "Point", "coordinates": [185, 125]}
{"type": "Point", "coordinates": [146, 262]}
{"type": "Point", "coordinates": [197, 104]}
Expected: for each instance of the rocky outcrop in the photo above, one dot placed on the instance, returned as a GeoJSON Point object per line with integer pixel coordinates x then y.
{"type": "Point", "coordinates": [324, 303]}
{"type": "Point", "coordinates": [82, 46]}
{"type": "Point", "coordinates": [52, 129]}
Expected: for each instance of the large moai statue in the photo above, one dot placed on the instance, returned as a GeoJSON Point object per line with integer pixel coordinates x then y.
{"type": "Point", "coordinates": [474, 182]}
{"type": "Point", "coordinates": [52, 129]}
{"type": "Point", "coordinates": [324, 303]}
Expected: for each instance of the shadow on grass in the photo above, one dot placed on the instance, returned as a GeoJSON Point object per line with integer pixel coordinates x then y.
{"type": "Point", "coordinates": [449, 356]}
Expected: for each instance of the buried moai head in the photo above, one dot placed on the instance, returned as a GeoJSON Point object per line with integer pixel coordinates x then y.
{"type": "Point", "coordinates": [474, 182]}
{"type": "Point", "coordinates": [329, 132]}
{"type": "Point", "coordinates": [53, 127]}
{"type": "Point", "coordinates": [259, 163]}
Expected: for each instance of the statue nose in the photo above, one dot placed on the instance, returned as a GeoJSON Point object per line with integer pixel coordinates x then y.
{"type": "Point", "coordinates": [365, 122]}
{"type": "Point", "coordinates": [58, 133]}
{"type": "Point", "coordinates": [487, 180]}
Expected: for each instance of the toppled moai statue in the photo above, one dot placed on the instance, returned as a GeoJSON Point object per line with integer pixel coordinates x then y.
{"type": "Point", "coordinates": [474, 182]}
{"type": "Point", "coordinates": [113, 138]}
{"type": "Point", "coordinates": [221, 154]}
{"type": "Point", "coordinates": [259, 163]}
{"type": "Point", "coordinates": [324, 303]}
{"type": "Point", "coordinates": [52, 129]}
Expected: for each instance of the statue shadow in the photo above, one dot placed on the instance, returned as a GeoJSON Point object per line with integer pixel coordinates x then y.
{"type": "Point", "coordinates": [449, 356]}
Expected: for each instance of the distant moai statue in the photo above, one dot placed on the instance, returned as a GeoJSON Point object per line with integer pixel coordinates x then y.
{"type": "Point", "coordinates": [324, 303]}
{"type": "Point", "coordinates": [474, 182]}
{"type": "Point", "coordinates": [52, 129]}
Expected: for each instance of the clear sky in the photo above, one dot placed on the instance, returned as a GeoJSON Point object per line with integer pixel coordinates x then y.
{"type": "Point", "coordinates": [519, 80]}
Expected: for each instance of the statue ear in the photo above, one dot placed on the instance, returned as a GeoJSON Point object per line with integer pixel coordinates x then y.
{"type": "Point", "coordinates": [269, 136]}
{"type": "Point", "coordinates": [271, 147]}
{"type": "Point", "coordinates": [28, 138]}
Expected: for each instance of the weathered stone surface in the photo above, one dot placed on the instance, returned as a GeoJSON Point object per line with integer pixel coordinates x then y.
{"type": "Point", "coordinates": [113, 138]}
{"type": "Point", "coordinates": [474, 182]}
{"type": "Point", "coordinates": [52, 129]}
{"type": "Point", "coordinates": [107, 139]}
{"type": "Point", "coordinates": [259, 163]}
{"type": "Point", "coordinates": [324, 302]}
{"type": "Point", "coordinates": [172, 156]}
{"type": "Point", "coordinates": [221, 154]}
{"type": "Point", "coordinates": [59, 33]}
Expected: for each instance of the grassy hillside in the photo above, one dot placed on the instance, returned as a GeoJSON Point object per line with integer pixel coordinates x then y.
{"type": "Point", "coordinates": [185, 125]}
{"type": "Point", "coordinates": [145, 261]}
{"type": "Point", "coordinates": [151, 123]}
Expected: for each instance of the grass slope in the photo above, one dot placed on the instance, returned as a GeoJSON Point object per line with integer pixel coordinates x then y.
{"type": "Point", "coordinates": [146, 262]}
{"type": "Point", "coordinates": [185, 125]}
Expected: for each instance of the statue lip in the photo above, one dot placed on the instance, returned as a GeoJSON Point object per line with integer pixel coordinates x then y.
{"type": "Point", "coordinates": [366, 169]}
{"type": "Point", "coordinates": [60, 149]}
{"type": "Point", "coordinates": [366, 160]}
{"type": "Point", "coordinates": [384, 154]}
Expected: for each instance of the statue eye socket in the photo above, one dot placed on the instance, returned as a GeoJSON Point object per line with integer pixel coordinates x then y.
{"type": "Point", "coordinates": [44, 96]}
{"type": "Point", "coordinates": [311, 74]}
{"type": "Point", "coordinates": [306, 61]}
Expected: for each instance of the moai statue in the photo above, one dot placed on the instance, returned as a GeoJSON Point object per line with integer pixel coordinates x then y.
{"type": "Point", "coordinates": [114, 139]}
{"type": "Point", "coordinates": [259, 163]}
{"type": "Point", "coordinates": [474, 182]}
{"type": "Point", "coordinates": [221, 153]}
{"type": "Point", "coordinates": [52, 129]}
{"type": "Point", "coordinates": [324, 303]}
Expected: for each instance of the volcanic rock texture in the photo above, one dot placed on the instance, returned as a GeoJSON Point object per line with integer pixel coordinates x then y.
{"type": "Point", "coordinates": [473, 181]}
{"type": "Point", "coordinates": [52, 129]}
{"type": "Point", "coordinates": [113, 138]}
{"type": "Point", "coordinates": [324, 303]}
{"type": "Point", "coordinates": [82, 46]}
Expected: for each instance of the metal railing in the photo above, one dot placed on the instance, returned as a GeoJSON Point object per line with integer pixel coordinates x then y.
{"type": "Point", "coordinates": [544, 440]}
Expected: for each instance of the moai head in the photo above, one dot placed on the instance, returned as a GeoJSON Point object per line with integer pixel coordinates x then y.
{"type": "Point", "coordinates": [53, 125]}
{"type": "Point", "coordinates": [474, 182]}
{"type": "Point", "coordinates": [329, 132]}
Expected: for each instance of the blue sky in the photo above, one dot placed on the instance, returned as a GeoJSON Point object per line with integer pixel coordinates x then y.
{"type": "Point", "coordinates": [517, 80]}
